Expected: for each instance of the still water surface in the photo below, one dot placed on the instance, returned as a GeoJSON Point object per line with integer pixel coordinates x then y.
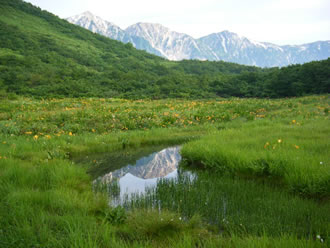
{"type": "Point", "coordinates": [136, 178]}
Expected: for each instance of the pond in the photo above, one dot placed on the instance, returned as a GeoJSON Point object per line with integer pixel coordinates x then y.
{"type": "Point", "coordinates": [135, 179]}
{"type": "Point", "coordinates": [154, 178]}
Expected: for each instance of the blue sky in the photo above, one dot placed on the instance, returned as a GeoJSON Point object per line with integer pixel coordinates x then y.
{"type": "Point", "coordinates": [277, 21]}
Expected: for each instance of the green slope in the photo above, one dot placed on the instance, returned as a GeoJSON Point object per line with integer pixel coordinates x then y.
{"type": "Point", "coordinates": [51, 56]}
{"type": "Point", "coordinates": [43, 55]}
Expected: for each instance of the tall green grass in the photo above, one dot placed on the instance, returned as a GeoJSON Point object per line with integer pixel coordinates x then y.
{"type": "Point", "coordinates": [47, 198]}
{"type": "Point", "coordinates": [236, 207]}
{"type": "Point", "coordinates": [296, 156]}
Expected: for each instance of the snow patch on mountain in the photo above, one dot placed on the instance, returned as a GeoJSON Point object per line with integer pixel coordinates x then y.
{"type": "Point", "coordinates": [225, 45]}
{"type": "Point", "coordinates": [173, 45]}
{"type": "Point", "coordinates": [97, 25]}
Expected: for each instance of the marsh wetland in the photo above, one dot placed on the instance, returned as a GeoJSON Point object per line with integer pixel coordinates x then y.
{"type": "Point", "coordinates": [225, 202]}
{"type": "Point", "coordinates": [239, 173]}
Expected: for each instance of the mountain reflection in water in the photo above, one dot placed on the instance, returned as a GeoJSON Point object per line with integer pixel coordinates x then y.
{"type": "Point", "coordinates": [145, 173]}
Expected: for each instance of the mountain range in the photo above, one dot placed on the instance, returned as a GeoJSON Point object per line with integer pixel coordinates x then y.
{"type": "Point", "coordinates": [225, 46]}
{"type": "Point", "coordinates": [44, 56]}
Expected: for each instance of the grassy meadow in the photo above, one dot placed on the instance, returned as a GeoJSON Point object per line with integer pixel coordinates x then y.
{"type": "Point", "coordinates": [294, 156]}
{"type": "Point", "coordinates": [263, 169]}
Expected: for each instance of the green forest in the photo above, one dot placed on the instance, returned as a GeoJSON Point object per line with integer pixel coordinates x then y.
{"type": "Point", "coordinates": [44, 56]}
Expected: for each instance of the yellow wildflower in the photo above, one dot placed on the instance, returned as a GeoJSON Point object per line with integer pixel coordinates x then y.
{"type": "Point", "coordinates": [297, 147]}
{"type": "Point", "coordinates": [70, 133]}
{"type": "Point", "coordinates": [279, 141]}
{"type": "Point", "coordinates": [35, 137]}
{"type": "Point", "coordinates": [28, 133]}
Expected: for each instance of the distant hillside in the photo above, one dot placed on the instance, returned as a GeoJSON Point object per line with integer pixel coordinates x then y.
{"type": "Point", "coordinates": [45, 56]}
{"type": "Point", "coordinates": [226, 46]}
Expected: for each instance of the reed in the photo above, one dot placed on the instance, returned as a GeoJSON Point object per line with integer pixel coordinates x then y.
{"type": "Point", "coordinates": [237, 207]}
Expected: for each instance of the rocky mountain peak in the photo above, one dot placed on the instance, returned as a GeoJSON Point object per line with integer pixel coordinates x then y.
{"type": "Point", "coordinates": [227, 46]}
{"type": "Point", "coordinates": [97, 25]}
{"type": "Point", "coordinates": [88, 14]}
